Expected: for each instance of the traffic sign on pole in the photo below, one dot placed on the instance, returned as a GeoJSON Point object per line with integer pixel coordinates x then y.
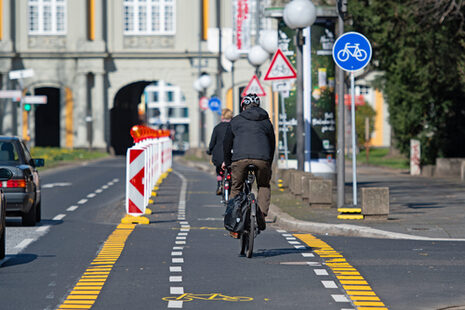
{"type": "Point", "coordinates": [10, 94]}
{"type": "Point", "coordinates": [21, 74]}
{"type": "Point", "coordinates": [280, 68]}
{"type": "Point", "coordinates": [35, 100]}
{"type": "Point", "coordinates": [203, 103]}
{"type": "Point", "coordinates": [215, 104]}
{"type": "Point", "coordinates": [352, 51]}
{"type": "Point", "coordinates": [254, 87]}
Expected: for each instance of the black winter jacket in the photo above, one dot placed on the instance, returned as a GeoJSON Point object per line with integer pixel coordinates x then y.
{"type": "Point", "coordinates": [249, 135]}
{"type": "Point", "coordinates": [216, 143]}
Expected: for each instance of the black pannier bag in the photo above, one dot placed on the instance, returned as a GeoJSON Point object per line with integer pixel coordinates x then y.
{"type": "Point", "coordinates": [234, 218]}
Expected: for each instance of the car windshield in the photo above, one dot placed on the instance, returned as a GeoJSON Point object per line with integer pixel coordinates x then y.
{"type": "Point", "coordinates": [8, 152]}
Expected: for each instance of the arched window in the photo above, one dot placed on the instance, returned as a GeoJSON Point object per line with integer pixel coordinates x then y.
{"type": "Point", "coordinates": [47, 17]}
{"type": "Point", "coordinates": [149, 17]}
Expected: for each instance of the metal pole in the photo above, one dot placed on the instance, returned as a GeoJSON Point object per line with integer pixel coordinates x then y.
{"type": "Point", "coordinates": [354, 155]}
{"type": "Point", "coordinates": [232, 89]}
{"type": "Point", "coordinates": [340, 156]}
{"type": "Point", "coordinates": [307, 100]}
{"type": "Point", "coordinates": [283, 111]}
{"type": "Point", "coordinates": [21, 104]}
{"type": "Point", "coordinates": [300, 138]}
{"type": "Point", "coordinates": [219, 82]}
{"type": "Point", "coordinates": [199, 70]}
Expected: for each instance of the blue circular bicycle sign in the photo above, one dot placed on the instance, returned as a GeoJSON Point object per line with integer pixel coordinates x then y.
{"type": "Point", "coordinates": [352, 51]}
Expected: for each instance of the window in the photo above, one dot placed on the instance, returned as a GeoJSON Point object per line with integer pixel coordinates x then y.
{"type": "Point", "coordinates": [149, 17]}
{"type": "Point", "coordinates": [47, 17]}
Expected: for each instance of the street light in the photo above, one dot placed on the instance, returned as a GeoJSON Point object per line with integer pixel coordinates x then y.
{"type": "Point", "coordinates": [269, 41]}
{"type": "Point", "coordinates": [201, 84]}
{"type": "Point", "coordinates": [232, 54]}
{"type": "Point", "coordinates": [299, 14]}
{"type": "Point", "coordinates": [257, 56]}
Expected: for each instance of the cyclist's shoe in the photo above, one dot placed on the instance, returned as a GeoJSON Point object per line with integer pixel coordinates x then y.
{"type": "Point", "coordinates": [261, 220]}
{"type": "Point", "coordinates": [235, 235]}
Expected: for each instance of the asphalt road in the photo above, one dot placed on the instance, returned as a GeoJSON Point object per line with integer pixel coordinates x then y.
{"type": "Point", "coordinates": [185, 259]}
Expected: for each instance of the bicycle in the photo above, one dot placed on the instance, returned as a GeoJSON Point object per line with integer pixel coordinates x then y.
{"type": "Point", "coordinates": [359, 54]}
{"type": "Point", "coordinates": [251, 227]}
{"type": "Point", "coordinates": [226, 186]}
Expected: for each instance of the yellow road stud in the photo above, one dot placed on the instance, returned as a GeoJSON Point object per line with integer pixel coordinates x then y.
{"type": "Point", "coordinates": [128, 219]}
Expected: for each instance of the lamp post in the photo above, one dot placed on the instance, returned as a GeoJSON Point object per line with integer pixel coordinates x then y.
{"type": "Point", "coordinates": [257, 56]}
{"type": "Point", "coordinates": [201, 84]}
{"type": "Point", "coordinates": [299, 14]}
{"type": "Point", "coordinates": [232, 54]}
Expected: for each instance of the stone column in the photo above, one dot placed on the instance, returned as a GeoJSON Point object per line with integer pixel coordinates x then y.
{"type": "Point", "coordinates": [98, 111]}
{"type": "Point", "coordinates": [79, 118]}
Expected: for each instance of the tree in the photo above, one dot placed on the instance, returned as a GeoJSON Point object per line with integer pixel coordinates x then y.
{"type": "Point", "coordinates": [418, 44]}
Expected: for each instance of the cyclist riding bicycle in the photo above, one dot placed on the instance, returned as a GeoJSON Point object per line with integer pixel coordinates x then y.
{"type": "Point", "coordinates": [215, 147]}
{"type": "Point", "coordinates": [250, 140]}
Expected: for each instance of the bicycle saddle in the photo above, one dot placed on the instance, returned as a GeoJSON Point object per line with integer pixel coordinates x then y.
{"type": "Point", "coordinates": [251, 168]}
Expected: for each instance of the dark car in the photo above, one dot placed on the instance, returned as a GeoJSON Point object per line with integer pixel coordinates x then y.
{"type": "Point", "coordinates": [5, 175]}
{"type": "Point", "coordinates": [22, 191]}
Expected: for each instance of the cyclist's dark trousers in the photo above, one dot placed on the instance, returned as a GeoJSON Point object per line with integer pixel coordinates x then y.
{"type": "Point", "coordinates": [263, 176]}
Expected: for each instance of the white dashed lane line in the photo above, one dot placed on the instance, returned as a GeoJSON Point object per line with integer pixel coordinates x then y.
{"type": "Point", "coordinates": [42, 228]}
{"type": "Point", "coordinates": [82, 201]}
{"type": "Point", "coordinates": [72, 208]}
{"type": "Point", "coordinates": [59, 217]}
{"type": "Point", "coordinates": [24, 243]}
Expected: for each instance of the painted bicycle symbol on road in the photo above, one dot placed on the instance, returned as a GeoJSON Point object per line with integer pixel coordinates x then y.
{"type": "Point", "coordinates": [213, 296]}
{"type": "Point", "coordinates": [352, 50]}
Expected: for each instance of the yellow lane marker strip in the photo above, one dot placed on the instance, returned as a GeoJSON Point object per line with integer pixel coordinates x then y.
{"type": "Point", "coordinates": [355, 286]}
{"type": "Point", "coordinates": [89, 286]}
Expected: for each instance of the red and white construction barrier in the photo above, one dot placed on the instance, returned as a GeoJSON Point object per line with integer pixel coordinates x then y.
{"type": "Point", "coordinates": [147, 163]}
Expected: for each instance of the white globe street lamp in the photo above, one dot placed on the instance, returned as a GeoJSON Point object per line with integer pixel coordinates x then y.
{"type": "Point", "coordinates": [269, 41]}
{"type": "Point", "coordinates": [299, 14]}
{"type": "Point", "coordinates": [257, 56]}
{"type": "Point", "coordinates": [232, 53]}
{"type": "Point", "coordinates": [205, 81]}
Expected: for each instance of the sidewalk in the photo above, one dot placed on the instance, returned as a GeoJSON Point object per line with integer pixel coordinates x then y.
{"type": "Point", "coordinates": [421, 208]}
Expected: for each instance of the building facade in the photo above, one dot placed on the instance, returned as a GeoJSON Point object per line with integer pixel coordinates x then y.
{"type": "Point", "coordinates": [94, 58]}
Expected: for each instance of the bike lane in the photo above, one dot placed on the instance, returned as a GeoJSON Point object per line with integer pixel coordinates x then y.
{"type": "Point", "coordinates": [185, 259]}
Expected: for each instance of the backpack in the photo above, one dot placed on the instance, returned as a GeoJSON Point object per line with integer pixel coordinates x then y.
{"type": "Point", "coordinates": [235, 215]}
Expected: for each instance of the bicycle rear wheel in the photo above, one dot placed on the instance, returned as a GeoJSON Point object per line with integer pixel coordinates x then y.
{"type": "Point", "coordinates": [252, 229]}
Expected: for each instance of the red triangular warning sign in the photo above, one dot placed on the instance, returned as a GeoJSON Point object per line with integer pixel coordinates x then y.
{"type": "Point", "coordinates": [280, 68]}
{"type": "Point", "coordinates": [254, 87]}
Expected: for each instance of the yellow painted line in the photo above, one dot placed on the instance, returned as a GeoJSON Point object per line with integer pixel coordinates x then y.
{"type": "Point", "coordinates": [353, 282]}
{"type": "Point", "coordinates": [357, 287]}
{"type": "Point", "coordinates": [349, 210]}
{"type": "Point", "coordinates": [364, 298]}
{"type": "Point", "coordinates": [82, 287]}
{"type": "Point", "coordinates": [93, 297]}
{"type": "Point", "coordinates": [371, 308]}
{"type": "Point", "coordinates": [354, 285]}
{"type": "Point", "coordinates": [361, 293]}
{"type": "Point", "coordinates": [369, 303]}
{"type": "Point", "coordinates": [79, 292]}
{"type": "Point", "coordinates": [350, 217]}
{"type": "Point", "coordinates": [89, 286]}
{"type": "Point", "coordinates": [82, 302]}
{"type": "Point", "coordinates": [66, 306]}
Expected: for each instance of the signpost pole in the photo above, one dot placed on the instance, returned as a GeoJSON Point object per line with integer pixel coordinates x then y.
{"type": "Point", "coordinates": [283, 111]}
{"type": "Point", "coordinates": [354, 155]}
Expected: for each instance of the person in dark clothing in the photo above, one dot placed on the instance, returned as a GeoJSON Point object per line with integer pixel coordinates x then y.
{"type": "Point", "coordinates": [250, 139]}
{"type": "Point", "coordinates": [215, 147]}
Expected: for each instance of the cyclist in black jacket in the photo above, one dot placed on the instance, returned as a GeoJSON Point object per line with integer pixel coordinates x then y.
{"type": "Point", "coordinates": [250, 139]}
{"type": "Point", "coordinates": [215, 147]}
